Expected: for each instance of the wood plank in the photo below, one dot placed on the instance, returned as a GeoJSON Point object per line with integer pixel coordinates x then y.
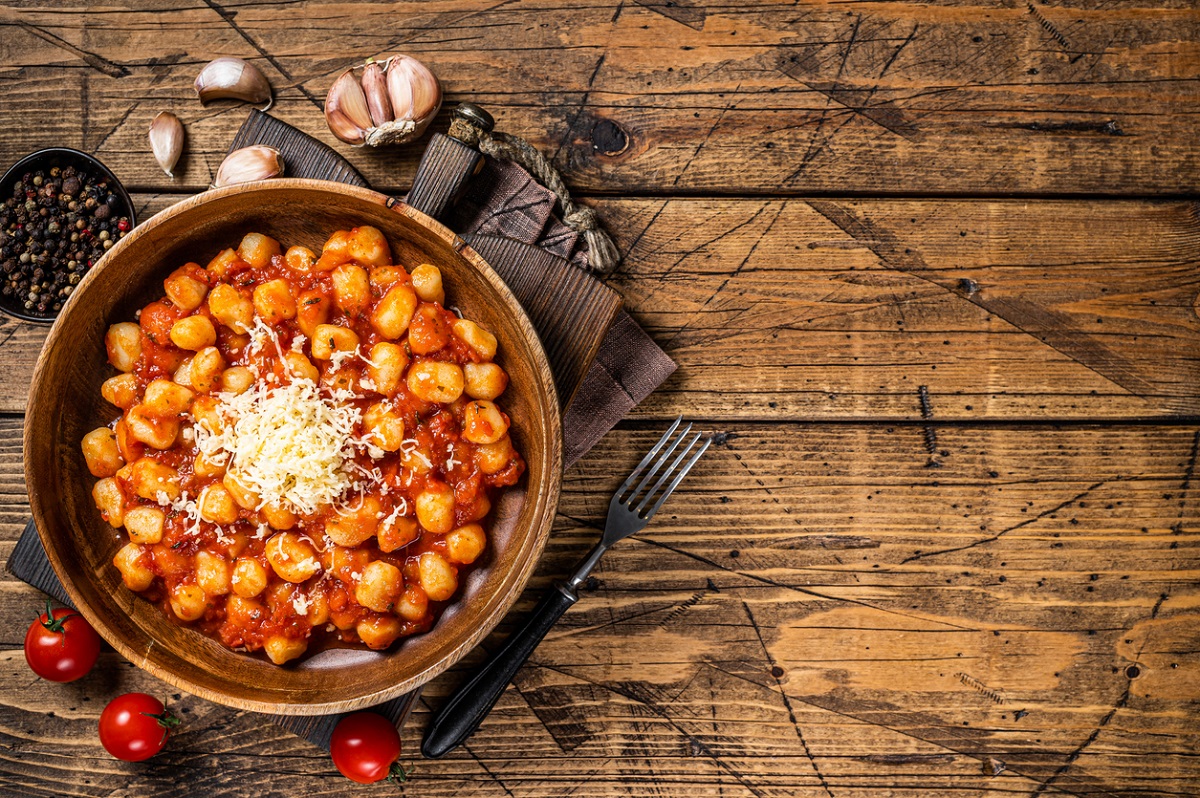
{"type": "Point", "coordinates": [880, 98]}
{"type": "Point", "coordinates": [818, 611]}
{"type": "Point", "coordinates": [833, 309]}
{"type": "Point", "coordinates": [842, 309]}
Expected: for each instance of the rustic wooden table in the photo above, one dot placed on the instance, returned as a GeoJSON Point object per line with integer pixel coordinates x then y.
{"type": "Point", "coordinates": [827, 213]}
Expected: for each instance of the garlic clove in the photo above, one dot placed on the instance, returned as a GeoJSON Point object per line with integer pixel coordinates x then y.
{"type": "Point", "coordinates": [233, 78]}
{"type": "Point", "coordinates": [400, 88]}
{"type": "Point", "coordinates": [166, 141]}
{"type": "Point", "coordinates": [346, 109]}
{"type": "Point", "coordinates": [374, 86]}
{"type": "Point", "coordinates": [391, 103]}
{"type": "Point", "coordinates": [422, 97]}
{"type": "Point", "coordinates": [248, 164]}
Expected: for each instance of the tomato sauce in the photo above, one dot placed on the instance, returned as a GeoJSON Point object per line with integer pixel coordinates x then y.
{"type": "Point", "coordinates": [325, 609]}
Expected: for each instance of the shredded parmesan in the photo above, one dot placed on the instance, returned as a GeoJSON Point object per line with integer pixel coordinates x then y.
{"type": "Point", "coordinates": [411, 446]}
{"type": "Point", "coordinates": [401, 510]}
{"type": "Point", "coordinates": [301, 603]}
{"type": "Point", "coordinates": [288, 443]}
{"type": "Point", "coordinates": [340, 356]}
{"type": "Point", "coordinates": [294, 442]}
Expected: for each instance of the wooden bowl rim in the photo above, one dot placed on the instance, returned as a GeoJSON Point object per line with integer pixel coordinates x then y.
{"type": "Point", "coordinates": [550, 473]}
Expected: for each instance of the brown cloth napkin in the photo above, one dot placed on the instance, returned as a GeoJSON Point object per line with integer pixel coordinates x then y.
{"type": "Point", "coordinates": [503, 199]}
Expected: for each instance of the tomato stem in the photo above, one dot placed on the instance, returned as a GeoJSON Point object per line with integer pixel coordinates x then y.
{"type": "Point", "coordinates": [166, 720]}
{"type": "Point", "coordinates": [398, 773]}
{"type": "Point", "coordinates": [56, 625]}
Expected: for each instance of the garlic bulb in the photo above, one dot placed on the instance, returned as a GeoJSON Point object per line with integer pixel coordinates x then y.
{"type": "Point", "coordinates": [233, 78]}
{"type": "Point", "coordinates": [391, 103]}
{"type": "Point", "coordinates": [166, 141]}
{"type": "Point", "coordinates": [248, 164]}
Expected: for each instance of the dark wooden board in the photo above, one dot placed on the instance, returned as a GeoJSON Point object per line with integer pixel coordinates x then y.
{"type": "Point", "coordinates": [304, 156]}
{"type": "Point", "coordinates": [565, 304]}
{"type": "Point", "coordinates": [663, 97]}
{"type": "Point", "coordinates": [816, 609]}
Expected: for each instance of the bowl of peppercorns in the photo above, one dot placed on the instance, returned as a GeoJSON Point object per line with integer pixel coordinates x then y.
{"type": "Point", "coordinates": [61, 211]}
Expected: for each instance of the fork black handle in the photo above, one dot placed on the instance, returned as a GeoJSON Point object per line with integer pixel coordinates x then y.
{"type": "Point", "coordinates": [466, 709]}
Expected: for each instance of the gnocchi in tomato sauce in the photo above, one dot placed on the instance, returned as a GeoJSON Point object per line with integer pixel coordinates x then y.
{"type": "Point", "coordinates": [308, 446]}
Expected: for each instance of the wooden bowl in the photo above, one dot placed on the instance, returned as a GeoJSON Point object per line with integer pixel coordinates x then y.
{"type": "Point", "coordinates": [65, 403]}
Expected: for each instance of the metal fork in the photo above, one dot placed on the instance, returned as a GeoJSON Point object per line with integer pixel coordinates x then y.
{"type": "Point", "coordinates": [628, 513]}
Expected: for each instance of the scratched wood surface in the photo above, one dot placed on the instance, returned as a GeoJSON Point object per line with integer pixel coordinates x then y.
{"type": "Point", "coordinates": [1020, 619]}
{"type": "Point", "coordinates": [839, 309]}
{"type": "Point", "coordinates": [662, 95]}
{"type": "Point", "coordinates": [828, 212]}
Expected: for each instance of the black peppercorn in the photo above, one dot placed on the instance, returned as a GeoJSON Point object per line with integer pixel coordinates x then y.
{"type": "Point", "coordinates": [56, 225]}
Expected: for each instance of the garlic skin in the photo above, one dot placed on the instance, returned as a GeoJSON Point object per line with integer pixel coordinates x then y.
{"type": "Point", "coordinates": [233, 78]}
{"type": "Point", "coordinates": [374, 86]}
{"type": "Point", "coordinates": [166, 141]}
{"type": "Point", "coordinates": [346, 110]}
{"type": "Point", "coordinates": [249, 164]}
{"type": "Point", "coordinates": [393, 102]}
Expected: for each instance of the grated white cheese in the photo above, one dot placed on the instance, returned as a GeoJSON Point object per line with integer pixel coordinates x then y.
{"type": "Point", "coordinates": [288, 443]}
{"type": "Point", "coordinates": [293, 441]}
{"type": "Point", "coordinates": [450, 461]}
{"type": "Point", "coordinates": [400, 510]}
{"type": "Point", "coordinates": [340, 356]}
{"type": "Point", "coordinates": [301, 603]}
{"type": "Point", "coordinates": [412, 447]}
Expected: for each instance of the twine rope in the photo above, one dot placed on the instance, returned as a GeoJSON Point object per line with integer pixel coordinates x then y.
{"type": "Point", "coordinates": [603, 256]}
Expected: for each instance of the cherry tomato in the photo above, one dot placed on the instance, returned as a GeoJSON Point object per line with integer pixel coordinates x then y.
{"type": "Point", "coordinates": [134, 726]}
{"type": "Point", "coordinates": [61, 646]}
{"type": "Point", "coordinates": [365, 748]}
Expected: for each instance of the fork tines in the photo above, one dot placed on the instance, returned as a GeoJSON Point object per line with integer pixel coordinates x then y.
{"type": "Point", "coordinates": [656, 458]}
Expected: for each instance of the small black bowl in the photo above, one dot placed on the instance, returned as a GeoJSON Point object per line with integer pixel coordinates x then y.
{"type": "Point", "coordinates": [47, 159]}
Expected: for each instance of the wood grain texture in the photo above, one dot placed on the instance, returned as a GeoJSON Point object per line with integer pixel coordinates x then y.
{"type": "Point", "coordinates": [562, 301]}
{"type": "Point", "coordinates": [947, 541]}
{"type": "Point", "coordinates": [839, 309]}
{"type": "Point", "coordinates": [649, 96]}
{"type": "Point", "coordinates": [817, 611]}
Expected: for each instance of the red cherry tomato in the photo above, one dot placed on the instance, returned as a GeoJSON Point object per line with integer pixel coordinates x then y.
{"type": "Point", "coordinates": [365, 748]}
{"type": "Point", "coordinates": [61, 646]}
{"type": "Point", "coordinates": [134, 726]}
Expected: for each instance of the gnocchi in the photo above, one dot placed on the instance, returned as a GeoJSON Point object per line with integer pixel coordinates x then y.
{"type": "Point", "coordinates": [307, 445]}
